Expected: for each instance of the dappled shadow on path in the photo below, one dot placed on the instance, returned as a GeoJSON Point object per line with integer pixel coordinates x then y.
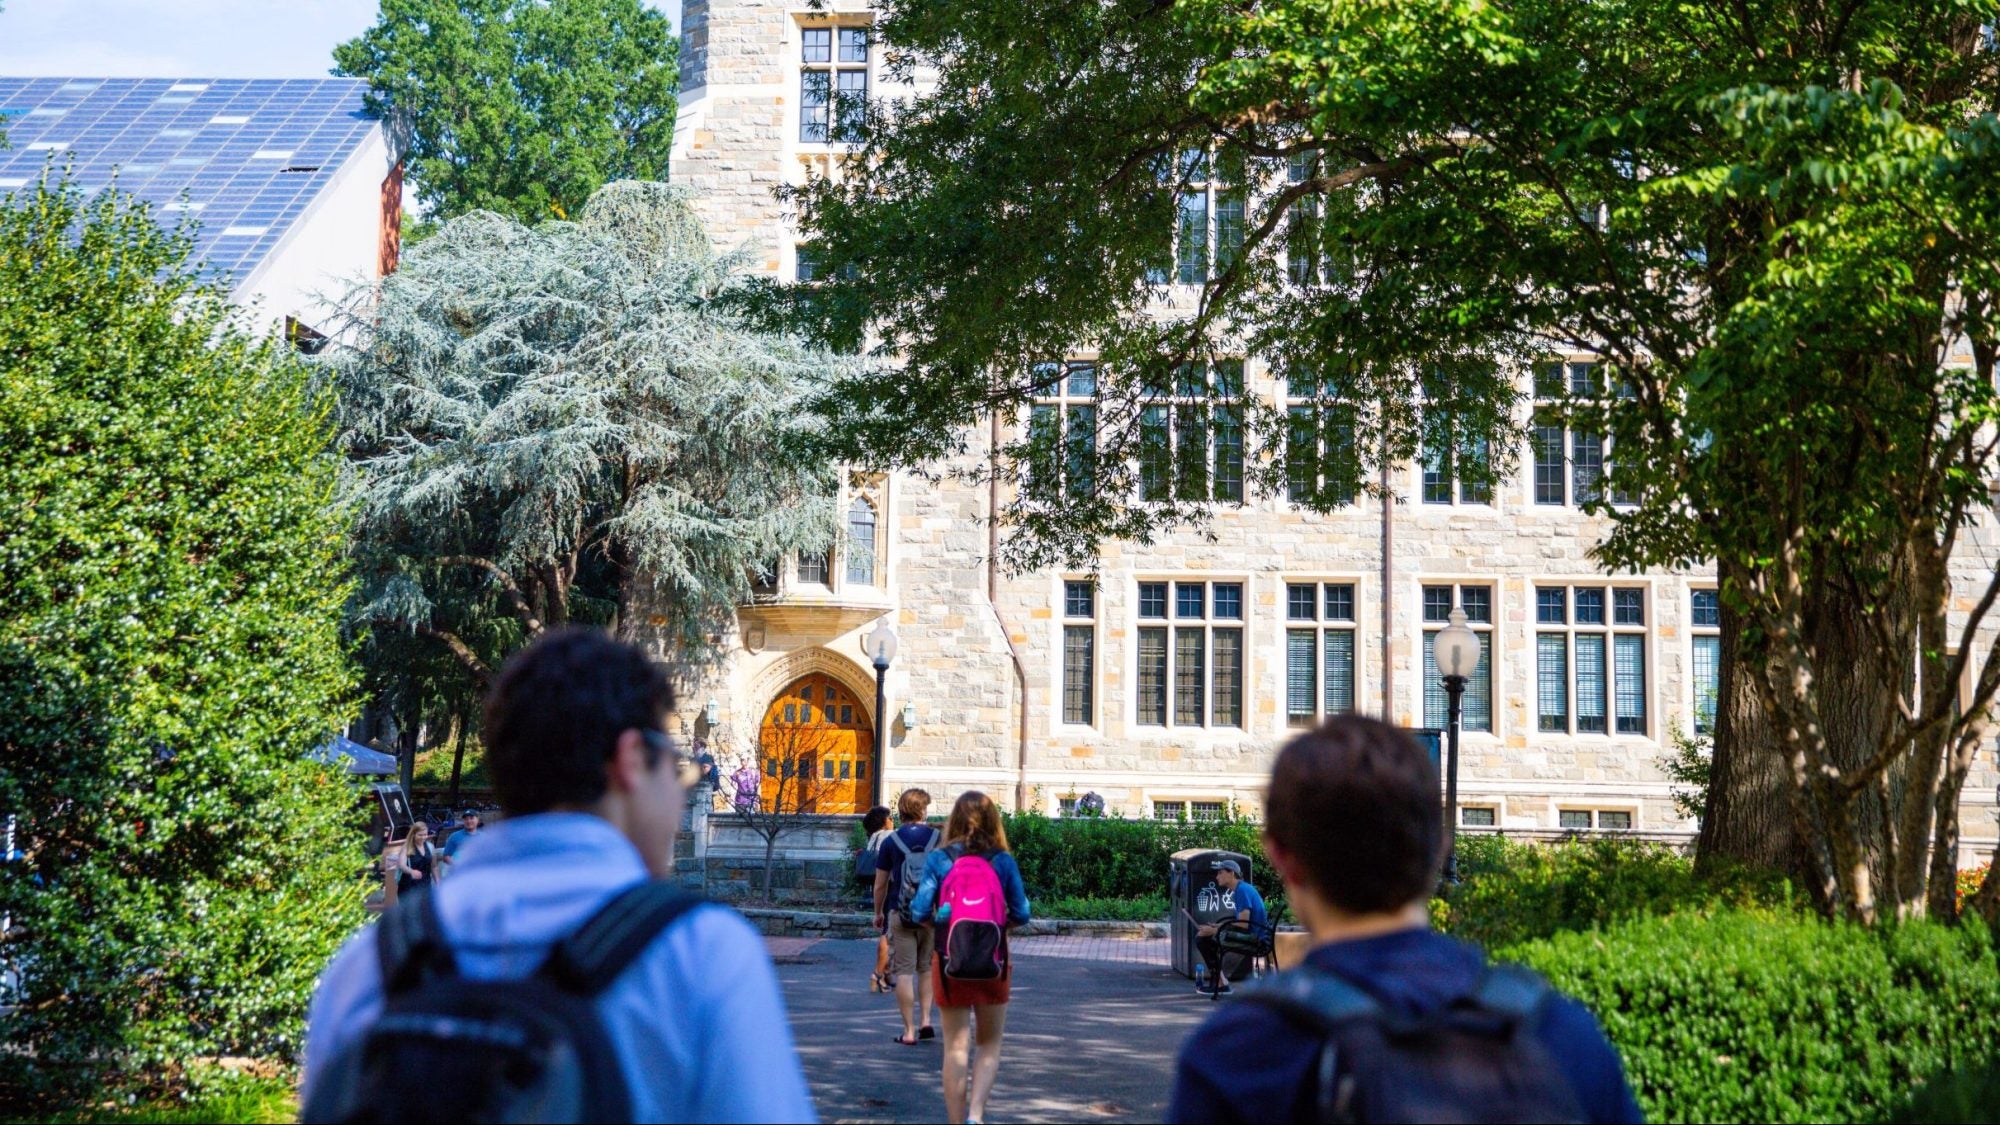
{"type": "Point", "coordinates": [1085, 1040]}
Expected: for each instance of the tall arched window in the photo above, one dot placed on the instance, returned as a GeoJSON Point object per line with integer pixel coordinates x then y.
{"type": "Point", "coordinates": [861, 544]}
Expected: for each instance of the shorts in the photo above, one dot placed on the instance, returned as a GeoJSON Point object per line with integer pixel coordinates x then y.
{"type": "Point", "coordinates": [910, 947]}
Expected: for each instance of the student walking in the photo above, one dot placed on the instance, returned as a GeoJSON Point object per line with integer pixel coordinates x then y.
{"type": "Point", "coordinates": [972, 889]}
{"type": "Point", "coordinates": [417, 862]}
{"type": "Point", "coordinates": [1353, 826]}
{"type": "Point", "coordinates": [875, 824]}
{"type": "Point", "coordinates": [552, 978]}
{"type": "Point", "coordinates": [899, 866]}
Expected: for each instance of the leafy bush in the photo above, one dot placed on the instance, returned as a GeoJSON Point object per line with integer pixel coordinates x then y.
{"type": "Point", "coordinates": [1742, 1015]}
{"type": "Point", "coordinates": [1148, 908]}
{"type": "Point", "coordinates": [168, 655]}
{"type": "Point", "coordinates": [1513, 891]}
{"type": "Point", "coordinates": [1116, 858]}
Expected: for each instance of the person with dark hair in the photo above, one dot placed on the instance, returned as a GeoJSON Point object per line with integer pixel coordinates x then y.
{"type": "Point", "coordinates": [972, 890]}
{"type": "Point", "coordinates": [562, 895]}
{"type": "Point", "coordinates": [875, 826]}
{"type": "Point", "coordinates": [1386, 1020]}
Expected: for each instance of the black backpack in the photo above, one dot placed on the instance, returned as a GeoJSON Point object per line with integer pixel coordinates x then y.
{"type": "Point", "coordinates": [450, 1049]}
{"type": "Point", "coordinates": [1475, 1060]}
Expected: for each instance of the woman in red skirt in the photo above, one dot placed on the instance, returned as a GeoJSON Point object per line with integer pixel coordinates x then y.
{"type": "Point", "coordinates": [972, 969]}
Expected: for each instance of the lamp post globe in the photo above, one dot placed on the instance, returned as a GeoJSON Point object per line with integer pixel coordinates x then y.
{"type": "Point", "coordinates": [1455, 652]}
{"type": "Point", "coordinates": [881, 646]}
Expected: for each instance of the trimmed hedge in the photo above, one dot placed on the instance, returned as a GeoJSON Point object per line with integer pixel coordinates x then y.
{"type": "Point", "coordinates": [1743, 1015]}
{"type": "Point", "coordinates": [1512, 891]}
{"type": "Point", "coordinates": [1115, 858]}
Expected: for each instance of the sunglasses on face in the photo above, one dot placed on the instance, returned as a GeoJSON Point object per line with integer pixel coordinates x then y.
{"type": "Point", "coordinates": [687, 771]}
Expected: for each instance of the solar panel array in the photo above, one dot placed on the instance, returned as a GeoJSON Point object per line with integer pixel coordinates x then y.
{"type": "Point", "coordinates": [243, 156]}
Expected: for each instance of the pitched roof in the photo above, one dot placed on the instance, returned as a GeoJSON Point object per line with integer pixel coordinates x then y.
{"type": "Point", "coordinates": [245, 156]}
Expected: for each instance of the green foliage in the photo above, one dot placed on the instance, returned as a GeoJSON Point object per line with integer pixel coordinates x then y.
{"type": "Point", "coordinates": [1750, 1016]}
{"type": "Point", "coordinates": [241, 1101]}
{"type": "Point", "coordinates": [524, 107]}
{"type": "Point", "coordinates": [1115, 858]}
{"type": "Point", "coordinates": [169, 654]}
{"type": "Point", "coordinates": [1512, 892]}
{"type": "Point", "coordinates": [1146, 908]}
{"type": "Point", "coordinates": [1689, 767]}
{"type": "Point", "coordinates": [571, 422]}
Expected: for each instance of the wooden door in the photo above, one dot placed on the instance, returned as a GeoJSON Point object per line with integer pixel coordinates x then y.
{"type": "Point", "coordinates": [818, 749]}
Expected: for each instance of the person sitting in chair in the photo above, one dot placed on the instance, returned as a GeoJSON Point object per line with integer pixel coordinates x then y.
{"type": "Point", "coordinates": [1249, 918]}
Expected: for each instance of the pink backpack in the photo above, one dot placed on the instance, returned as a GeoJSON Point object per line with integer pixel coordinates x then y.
{"type": "Point", "coordinates": [975, 936]}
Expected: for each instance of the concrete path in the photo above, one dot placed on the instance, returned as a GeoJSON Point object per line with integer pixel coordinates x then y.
{"type": "Point", "coordinates": [1091, 1033]}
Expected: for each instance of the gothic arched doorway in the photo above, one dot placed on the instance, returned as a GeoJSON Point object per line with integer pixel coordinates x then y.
{"type": "Point", "coordinates": [817, 749]}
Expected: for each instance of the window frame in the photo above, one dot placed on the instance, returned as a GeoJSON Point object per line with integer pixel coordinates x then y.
{"type": "Point", "coordinates": [1320, 625]}
{"type": "Point", "coordinates": [1214, 405]}
{"type": "Point", "coordinates": [833, 118]}
{"type": "Point", "coordinates": [1430, 688]}
{"type": "Point", "coordinates": [1072, 472]}
{"type": "Point", "coordinates": [1611, 630]}
{"type": "Point", "coordinates": [1068, 624]}
{"type": "Point", "coordinates": [1169, 630]}
{"type": "Point", "coordinates": [1700, 635]}
{"type": "Point", "coordinates": [1573, 379]}
{"type": "Point", "coordinates": [1192, 174]}
{"type": "Point", "coordinates": [852, 573]}
{"type": "Point", "coordinates": [1316, 417]}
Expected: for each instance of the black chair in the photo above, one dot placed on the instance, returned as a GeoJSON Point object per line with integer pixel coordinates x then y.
{"type": "Point", "coordinates": [1249, 942]}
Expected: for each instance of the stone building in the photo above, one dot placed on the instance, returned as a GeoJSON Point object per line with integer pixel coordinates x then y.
{"type": "Point", "coordinates": [1166, 684]}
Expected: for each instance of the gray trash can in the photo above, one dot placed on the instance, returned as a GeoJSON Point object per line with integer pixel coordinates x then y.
{"type": "Point", "coordinates": [1191, 889]}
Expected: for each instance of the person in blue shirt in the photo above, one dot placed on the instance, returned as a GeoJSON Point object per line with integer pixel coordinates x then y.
{"type": "Point", "coordinates": [1353, 825]}
{"type": "Point", "coordinates": [593, 790]}
{"type": "Point", "coordinates": [1246, 915]}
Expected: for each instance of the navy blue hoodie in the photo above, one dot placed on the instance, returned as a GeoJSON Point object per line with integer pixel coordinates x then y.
{"type": "Point", "coordinates": [1248, 1063]}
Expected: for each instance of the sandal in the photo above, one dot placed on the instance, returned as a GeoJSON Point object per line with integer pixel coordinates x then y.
{"type": "Point", "coordinates": [927, 1032]}
{"type": "Point", "coordinates": [880, 982]}
{"type": "Point", "coordinates": [903, 1041]}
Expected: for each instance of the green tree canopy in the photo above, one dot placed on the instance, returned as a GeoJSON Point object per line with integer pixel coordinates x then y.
{"type": "Point", "coordinates": [171, 563]}
{"type": "Point", "coordinates": [573, 422]}
{"type": "Point", "coordinates": [524, 107]}
{"type": "Point", "coordinates": [1772, 222]}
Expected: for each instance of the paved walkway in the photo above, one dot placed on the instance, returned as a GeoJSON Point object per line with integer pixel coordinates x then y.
{"type": "Point", "coordinates": [1091, 1034]}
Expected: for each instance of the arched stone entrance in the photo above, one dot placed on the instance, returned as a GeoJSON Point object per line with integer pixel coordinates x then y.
{"type": "Point", "coordinates": [816, 749]}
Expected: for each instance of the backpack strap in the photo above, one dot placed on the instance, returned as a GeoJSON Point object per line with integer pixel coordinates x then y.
{"type": "Point", "coordinates": [1513, 992]}
{"type": "Point", "coordinates": [1324, 1003]}
{"type": "Point", "coordinates": [409, 942]}
{"type": "Point", "coordinates": [588, 960]}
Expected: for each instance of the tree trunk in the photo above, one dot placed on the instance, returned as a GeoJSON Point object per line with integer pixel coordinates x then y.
{"type": "Point", "coordinates": [406, 755]}
{"type": "Point", "coordinates": [458, 755]}
{"type": "Point", "coordinates": [1750, 816]}
{"type": "Point", "coordinates": [770, 862]}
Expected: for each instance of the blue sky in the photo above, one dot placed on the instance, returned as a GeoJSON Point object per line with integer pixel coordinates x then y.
{"type": "Point", "coordinates": [185, 38]}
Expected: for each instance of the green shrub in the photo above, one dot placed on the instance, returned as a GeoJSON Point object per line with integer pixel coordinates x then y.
{"type": "Point", "coordinates": [1148, 908]}
{"type": "Point", "coordinates": [169, 653]}
{"type": "Point", "coordinates": [1115, 858]}
{"type": "Point", "coordinates": [1512, 891]}
{"type": "Point", "coordinates": [1740, 1015]}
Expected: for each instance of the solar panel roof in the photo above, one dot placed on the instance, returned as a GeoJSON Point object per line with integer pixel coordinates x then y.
{"type": "Point", "coordinates": [242, 157]}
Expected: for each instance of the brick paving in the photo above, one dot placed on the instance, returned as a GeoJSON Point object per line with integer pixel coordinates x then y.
{"type": "Point", "coordinates": [1082, 947]}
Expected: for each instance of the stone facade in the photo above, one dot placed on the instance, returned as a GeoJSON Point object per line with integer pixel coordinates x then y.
{"type": "Point", "coordinates": [966, 657]}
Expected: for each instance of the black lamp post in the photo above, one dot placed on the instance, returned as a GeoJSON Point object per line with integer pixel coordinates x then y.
{"type": "Point", "coordinates": [1456, 654]}
{"type": "Point", "coordinates": [882, 650]}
